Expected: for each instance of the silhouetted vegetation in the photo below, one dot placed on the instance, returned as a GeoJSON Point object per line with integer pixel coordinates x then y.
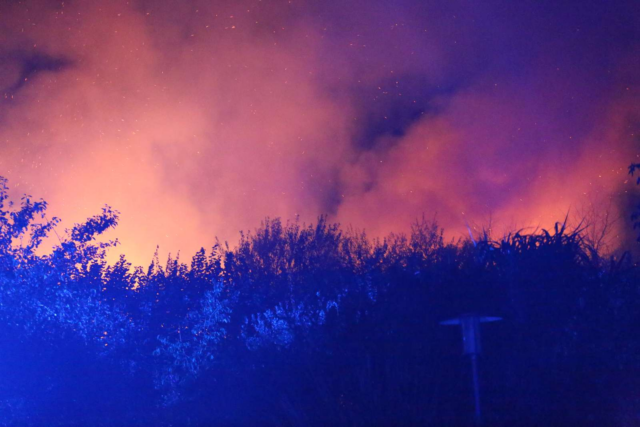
{"type": "Point", "coordinates": [635, 217]}
{"type": "Point", "coordinates": [313, 325]}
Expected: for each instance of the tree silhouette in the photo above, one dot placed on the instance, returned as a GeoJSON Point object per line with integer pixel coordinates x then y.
{"type": "Point", "coordinates": [635, 217]}
{"type": "Point", "coordinates": [312, 325]}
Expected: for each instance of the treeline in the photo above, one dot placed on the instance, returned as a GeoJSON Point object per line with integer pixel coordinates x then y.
{"type": "Point", "coordinates": [313, 325]}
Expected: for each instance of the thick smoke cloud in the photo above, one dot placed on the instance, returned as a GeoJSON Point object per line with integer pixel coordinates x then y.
{"type": "Point", "coordinates": [197, 119]}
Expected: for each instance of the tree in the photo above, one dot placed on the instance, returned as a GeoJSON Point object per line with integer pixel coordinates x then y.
{"type": "Point", "coordinates": [311, 325]}
{"type": "Point", "coordinates": [635, 217]}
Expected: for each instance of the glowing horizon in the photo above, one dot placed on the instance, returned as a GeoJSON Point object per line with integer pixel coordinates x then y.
{"type": "Point", "coordinates": [199, 120]}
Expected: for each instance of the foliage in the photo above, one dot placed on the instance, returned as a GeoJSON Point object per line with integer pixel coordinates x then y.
{"type": "Point", "coordinates": [635, 217]}
{"type": "Point", "coordinates": [312, 325]}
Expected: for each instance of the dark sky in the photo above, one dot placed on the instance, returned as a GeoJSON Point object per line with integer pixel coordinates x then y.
{"type": "Point", "coordinates": [200, 118]}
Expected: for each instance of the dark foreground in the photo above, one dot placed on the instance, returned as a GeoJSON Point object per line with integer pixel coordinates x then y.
{"type": "Point", "coordinates": [315, 326]}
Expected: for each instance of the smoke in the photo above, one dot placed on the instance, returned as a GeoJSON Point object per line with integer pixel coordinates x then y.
{"type": "Point", "coordinates": [198, 119]}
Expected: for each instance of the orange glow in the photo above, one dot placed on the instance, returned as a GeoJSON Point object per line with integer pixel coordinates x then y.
{"type": "Point", "coordinates": [200, 123]}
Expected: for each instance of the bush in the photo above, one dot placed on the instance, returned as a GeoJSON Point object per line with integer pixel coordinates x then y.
{"type": "Point", "coordinates": [312, 325]}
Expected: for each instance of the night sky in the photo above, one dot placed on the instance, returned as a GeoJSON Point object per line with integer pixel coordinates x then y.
{"type": "Point", "coordinates": [198, 119]}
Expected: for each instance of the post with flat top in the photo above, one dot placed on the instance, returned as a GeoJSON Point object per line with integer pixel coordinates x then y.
{"type": "Point", "coordinates": [470, 325]}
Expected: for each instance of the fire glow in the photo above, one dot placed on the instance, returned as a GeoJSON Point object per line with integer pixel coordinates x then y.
{"type": "Point", "coordinates": [199, 119]}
